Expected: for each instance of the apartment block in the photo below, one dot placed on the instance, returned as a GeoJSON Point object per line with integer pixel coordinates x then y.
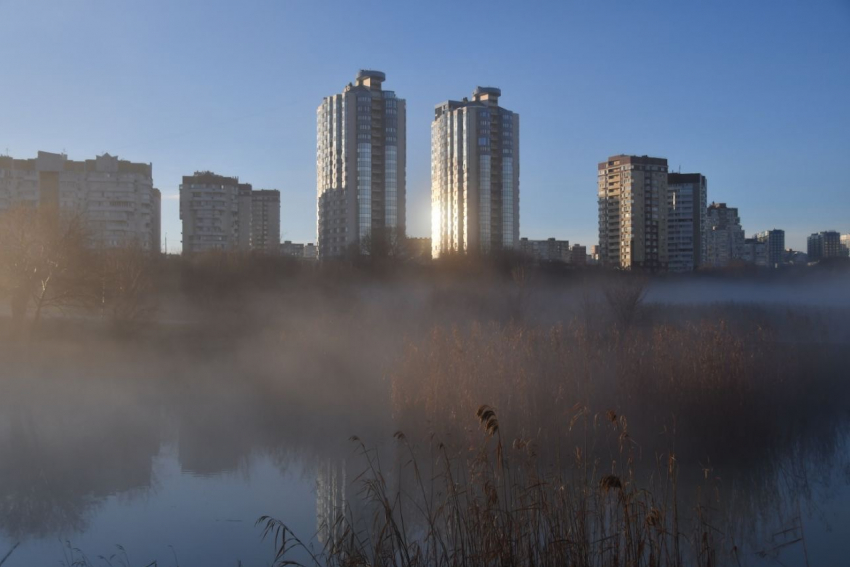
{"type": "Point", "coordinates": [265, 220]}
{"type": "Point", "coordinates": [845, 244]}
{"type": "Point", "coordinates": [754, 252]}
{"type": "Point", "coordinates": [292, 249]}
{"type": "Point", "coordinates": [156, 221]}
{"type": "Point", "coordinates": [775, 240]}
{"type": "Point", "coordinates": [724, 235]}
{"type": "Point", "coordinates": [550, 250]}
{"type": "Point", "coordinates": [578, 255]}
{"type": "Point", "coordinates": [593, 256]}
{"type": "Point", "coordinates": [687, 218]}
{"type": "Point", "coordinates": [209, 209]}
{"type": "Point", "coordinates": [361, 160]}
{"type": "Point", "coordinates": [243, 215]}
{"type": "Point", "coordinates": [824, 245]}
{"type": "Point", "coordinates": [474, 176]}
{"type": "Point", "coordinates": [115, 197]}
{"type": "Point", "coordinates": [633, 207]}
{"type": "Point", "coordinates": [311, 251]}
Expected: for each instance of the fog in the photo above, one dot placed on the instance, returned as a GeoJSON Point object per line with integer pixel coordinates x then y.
{"type": "Point", "coordinates": [253, 380]}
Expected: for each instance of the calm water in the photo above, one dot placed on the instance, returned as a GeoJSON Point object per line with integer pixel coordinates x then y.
{"type": "Point", "coordinates": [174, 485]}
{"type": "Point", "coordinates": [177, 451]}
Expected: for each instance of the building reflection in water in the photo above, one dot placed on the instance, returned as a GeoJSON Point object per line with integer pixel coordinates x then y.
{"type": "Point", "coordinates": [331, 486]}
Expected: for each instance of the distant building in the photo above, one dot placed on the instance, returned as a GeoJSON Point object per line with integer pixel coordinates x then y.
{"type": "Point", "coordinates": [298, 250]}
{"type": "Point", "coordinates": [244, 216]}
{"type": "Point", "coordinates": [687, 218]}
{"type": "Point", "coordinates": [115, 197]}
{"type": "Point", "coordinates": [578, 255]}
{"type": "Point", "coordinates": [361, 164]}
{"type": "Point", "coordinates": [845, 244]}
{"type": "Point", "coordinates": [549, 250]}
{"type": "Point", "coordinates": [795, 257]}
{"type": "Point", "coordinates": [724, 235]}
{"type": "Point", "coordinates": [209, 209]}
{"type": "Point", "coordinates": [754, 252]}
{"type": "Point", "coordinates": [474, 176]}
{"type": "Point", "coordinates": [156, 221]}
{"type": "Point", "coordinates": [419, 248]}
{"type": "Point", "coordinates": [265, 220]}
{"type": "Point", "coordinates": [632, 193]}
{"type": "Point", "coordinates": [823, 245]}
{"type": "Point", "coordinates": [775, 240]}
{"type": "Point", "coordinates": [593, 257]}
{"type": "Point", "coordinates": [291, 249]}
{"type": "Point", "coordinates": [220, 213]}
{"type": "Point", "coordinates": [310, 251]}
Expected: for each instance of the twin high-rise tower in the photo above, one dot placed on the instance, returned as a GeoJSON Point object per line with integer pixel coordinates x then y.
{"type": "Point", "coordinates": [361, 158]}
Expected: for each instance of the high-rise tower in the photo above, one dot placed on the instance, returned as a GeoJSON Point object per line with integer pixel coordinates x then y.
{"type": "Point", "coordinates": [724, 240]}
{"type": "Point", "coordinates": [474, 175]}
{"type": "Point", "coordinates": [687, 218]}
{"type": "Point", "coordinates": [632, 195]}
{"type": "Point", "coordinates": [361, 159]}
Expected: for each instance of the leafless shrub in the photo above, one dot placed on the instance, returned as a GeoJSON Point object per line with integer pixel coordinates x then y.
{"type": "Point", "coordinates": [625, 295]}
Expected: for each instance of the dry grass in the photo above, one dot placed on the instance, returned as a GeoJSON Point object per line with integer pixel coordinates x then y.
{"type": "Point", "coordinates": [557, 475]}
{"type": "Point", "coordinates": [495, 504]}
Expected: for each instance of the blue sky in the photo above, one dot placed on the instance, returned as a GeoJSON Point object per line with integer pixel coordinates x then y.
{"type": "Point", "coordinates": [755, 95]}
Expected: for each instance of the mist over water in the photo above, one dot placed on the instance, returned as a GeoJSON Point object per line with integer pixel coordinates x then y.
{"type": "Point", "coordinates": [237, 404]}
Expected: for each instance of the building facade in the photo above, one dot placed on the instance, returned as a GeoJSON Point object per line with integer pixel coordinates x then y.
{"type": "Point", "coordinates": [474, 176]}
{"type": "Point", "coordinates": [243, 207]}
{"type": "Point", "coordinates": [265, 221]}
{"type": "Point", "coordinates": [298, 250]}
{"type": "Point", "coordinates": [775, 241]}
{"type": "Point", "coordinates": [687, 218]}
{"type": "Point", "coordinates": [724, 235]}
{"type": "Point", "coordinates": [550, 250]}
{"type": "Point", "coordinates": [845, 244]}
{"type": "Point", "coordinates": [632, 193]}
{"type": "Point", "coordinates": [209, 209]}
{"type": "Point", "coordinates": [825, 244]}
{"type": "Point", "coordinates": [578, 255]}
{"type": "Point", "coordinates": [292, 249]}
{"type": "Point", "coordinates": [754, 252]}
{"type": "Point", "coordinates": [311, 252]}
{"type": "Point", "coordinates": [593, 256]}
{"type": "Point", "coordinates": [116, 198]}
{"type": "Point", "coordinates": [156, 221]}
{"type": "Point", "coordinates": [361, 160]}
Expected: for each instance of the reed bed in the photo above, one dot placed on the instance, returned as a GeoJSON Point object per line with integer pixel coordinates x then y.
{"type": "Point", "coordinates": [558, 475]}
{"type": "Point", "coordinates": [497, 504]}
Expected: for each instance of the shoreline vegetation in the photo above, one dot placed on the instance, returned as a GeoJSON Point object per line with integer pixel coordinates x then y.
{"type": "Point", "coordinates": [544, 416]}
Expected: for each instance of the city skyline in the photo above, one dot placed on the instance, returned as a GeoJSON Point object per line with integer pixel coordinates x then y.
{"type": "Point", "coordinates": [764, 124]}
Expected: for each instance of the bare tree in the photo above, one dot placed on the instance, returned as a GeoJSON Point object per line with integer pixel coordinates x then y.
{"type": "Point", "coordinates": [44, 261]}
{"type": "Point", "coordinates": [127, 296]}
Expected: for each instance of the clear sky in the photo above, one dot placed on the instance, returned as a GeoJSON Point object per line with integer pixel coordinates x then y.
{"type": "Point", "coordinates": [755, 95]}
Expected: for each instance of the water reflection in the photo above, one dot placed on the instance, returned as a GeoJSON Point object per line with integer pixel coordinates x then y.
{"type": "Point", "coordinates": [54, 470]}
{"type": "Point", "coordinates": [90, 422]}
{"type": "Point", "coordinates": [60, 460]}
{"type": "Point", "coordinates": [331, 499]}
